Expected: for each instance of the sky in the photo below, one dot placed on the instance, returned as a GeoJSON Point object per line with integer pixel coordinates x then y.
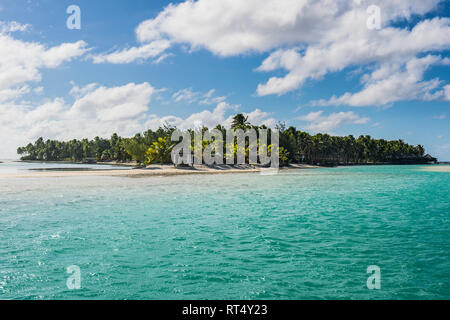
{"type": "Point", "coordinates": [376, 67]}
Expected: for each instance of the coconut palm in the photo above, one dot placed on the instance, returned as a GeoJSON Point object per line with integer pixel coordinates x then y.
{"type": "Point", "coordinates": [160, 151]}
{"type": "Point", "coordinates": [239, 122]}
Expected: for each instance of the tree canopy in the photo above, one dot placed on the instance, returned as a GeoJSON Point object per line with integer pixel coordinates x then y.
{"type": "Point", "coordinates": [296, 146]}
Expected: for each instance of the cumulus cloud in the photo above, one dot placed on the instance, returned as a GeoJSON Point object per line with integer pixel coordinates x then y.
{"type": "Point", "coordinates": [317, 122]}
{"type": "Point", "coordinates": [222, 114]}
{"type": "Point", "coordinates": [207, 118]}
{"type": "Point", "coordinates": [97, 110]}
{"type": "Point", "coordinates": [306, 39]}
{"type": "Point", "coordinates": [393, 82]}
{"type": "Point", "coordinates": [258, 117]}
{"type": "Point", "coordinates": [384, 48]}
{"type": "Point", "coordinates": [117, 103]}
{"type": "Point", "coordinates": [21, 62]}
{"type": "Point", "coordinates": [100, 111]}
{"type": "Point", "coordinates": [230, 27]}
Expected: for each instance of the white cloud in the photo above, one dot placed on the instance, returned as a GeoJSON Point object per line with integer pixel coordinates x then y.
{"type": "Point", "coordinates": [13, 93]}
{"type": "Point", "coordinates": [307, 39]}
{"type": "Point", "coordinates": [48, 111]}
{"type": "Point", "coordinates": [162, 57]}
{"type": "Point", "coordinates": [393, 82]}
{"type": "Point", "coordinates": [132, 54]}
{"type": "Point", "coordinates": [212, 118]}
{"type": "Point", "coordinates": [186, 95]}
{"type": "Point", "coordinates": [78, 92]}
{"type": "Point", "coordinates": [258, 117]}
{"type": "Point", "coordinates": [447, 92]}
{"type": "Point", "coordinates": [189, 96]}
{"type": "Point", "coordinates": [317, 122]}
{"type": "Point", "coordinates": [99, 111]}
{"type": "Point", "coordinates": [210, 99]}
{"type": "Point", "coordinates": [20, 61]}
{"type": "Point", "coordinates": [387, 47]}
{"type": "Point", "coordinates": [207, 118]}
{"type": "Point", "coordinates": [13, 26]}
{"type": "Point", "coordinates": [230, 27]}
{"type": "Point", "coordinates": [113, 104]}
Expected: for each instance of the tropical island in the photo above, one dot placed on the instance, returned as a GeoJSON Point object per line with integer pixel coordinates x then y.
{"type": "Point", "coordinates": [295, 147]}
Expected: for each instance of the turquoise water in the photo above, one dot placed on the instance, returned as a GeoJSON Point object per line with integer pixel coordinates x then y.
{"type": "Point", "coordinates": [303, 234]}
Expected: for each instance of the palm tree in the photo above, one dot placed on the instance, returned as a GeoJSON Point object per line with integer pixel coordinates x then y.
{"type": "Point", "coordinates": [239, 121]}
{"type": "Point", "coordinates": [298, 146]}
{"type": "Point", "coordinates": [160, 151]}
{"type": "Point", "coordinates": [136, 148]}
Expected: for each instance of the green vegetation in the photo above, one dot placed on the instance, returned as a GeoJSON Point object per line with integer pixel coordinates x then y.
{"type": "Point", "coordinates": [295, 147]}
{"type": "Point", "coordinates": [114, 149]}
{"type": "Point", "coordinates": [160, 151]}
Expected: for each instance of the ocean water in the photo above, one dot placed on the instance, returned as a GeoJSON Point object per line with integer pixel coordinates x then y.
{"type": "Point", "coordinates": [302, 234]}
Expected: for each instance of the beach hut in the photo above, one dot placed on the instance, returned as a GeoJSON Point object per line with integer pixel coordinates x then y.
{"type": "Point", "coordinates": [429, 159]}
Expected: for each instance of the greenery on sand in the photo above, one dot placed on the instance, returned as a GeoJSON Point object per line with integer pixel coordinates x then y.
{"type": "Point", "coordinates": [295, 147]}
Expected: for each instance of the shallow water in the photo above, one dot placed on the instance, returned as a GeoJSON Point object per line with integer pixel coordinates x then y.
{"type": "Point", "coordinates": [11, 166]}
{"type": "Point", "coordinates": [302, 234]}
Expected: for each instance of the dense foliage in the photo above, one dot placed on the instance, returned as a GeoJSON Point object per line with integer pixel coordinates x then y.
{"type": "Point", "coordinates": [295, 146]}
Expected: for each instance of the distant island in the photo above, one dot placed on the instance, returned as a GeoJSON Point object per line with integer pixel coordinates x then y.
{"type": "Point", "coordinates": [295, 147]}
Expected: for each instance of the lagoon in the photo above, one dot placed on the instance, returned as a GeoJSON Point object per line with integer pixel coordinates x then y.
{"type": "Point", "coordinates": [302, 234]}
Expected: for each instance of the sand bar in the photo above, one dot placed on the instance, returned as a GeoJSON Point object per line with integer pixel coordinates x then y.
{"type": "Point", "coordinates": [153, 170]}
{"type": "Point", "coordinates": [437, 168]}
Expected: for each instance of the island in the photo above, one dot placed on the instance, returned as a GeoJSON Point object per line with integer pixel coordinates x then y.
{"type": "Point", "coordinates": [296, 147]}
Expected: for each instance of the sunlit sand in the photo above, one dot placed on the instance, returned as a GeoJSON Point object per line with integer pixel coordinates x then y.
{"type": "Point", "coordinates": [437, 168]}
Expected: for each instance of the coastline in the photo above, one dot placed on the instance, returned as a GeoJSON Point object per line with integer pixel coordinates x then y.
{"type": "Point", "coordinates": [166, 170]}
{"type": "Point", "coordinates": [441, 168]}
{"type": "Point", "coordinates": [153, 170]}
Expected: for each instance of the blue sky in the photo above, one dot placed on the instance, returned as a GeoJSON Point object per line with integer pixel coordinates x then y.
{"type": "Point", "coordinates": [136, 64]}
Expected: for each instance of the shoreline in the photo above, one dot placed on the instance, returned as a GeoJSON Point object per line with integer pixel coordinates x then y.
{"type": "Point", "coordinates": [169, 170]}
{"type": "Point", "coordinates": [440, 168]}
{"type": "Point", "coordinates": [153, 170]}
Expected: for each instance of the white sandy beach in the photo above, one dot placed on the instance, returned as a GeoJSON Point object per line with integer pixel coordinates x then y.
{"type": "Point", "coordinates": [437, 168]}
{"type": "Point", "coordinates": [153, 170]}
